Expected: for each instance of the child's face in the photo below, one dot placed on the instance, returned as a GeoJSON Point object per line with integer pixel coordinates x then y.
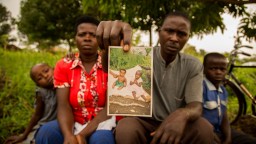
{"type": "Point", "coordinates": [122, 72]}
{"type": "Point", "coordinates": [43, 75]}
{"type": "Point", "coordinates": [215, 70]}
{"type": "Point", "coordinates": [137, 75]}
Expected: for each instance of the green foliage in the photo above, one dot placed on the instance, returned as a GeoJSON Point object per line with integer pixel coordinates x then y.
{"type": "Point", "coordinates": [4, 14]}
{"type": "Point", "coordinates": [49, 21]}
{"type": "Point", "coordinates": [248, 78]}
{"type": "Point", "coordinates": [126, 60]}
{"type": "Point", "coordinates": [145, 13]}
{"type": "Point", "coordinates": [17, 90]}
{"type": "Point", "coordinates": [5, 27]}
{"type": "Point", "coordinates": [247, 26]}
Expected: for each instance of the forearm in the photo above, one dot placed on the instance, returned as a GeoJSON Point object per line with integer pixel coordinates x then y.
{"type": "Point", "coordinates": [225, 128]}
{"type": "Point", "coordinates": [33, 121]}
{"type": "Point", "coordinates": [92, 125]}
{"type": "Point", "coordinates": [193, 110]}
{"type": "Point", "coordinates": [66, 119]}
{"type": "Point", "coordinates": [105, 60]}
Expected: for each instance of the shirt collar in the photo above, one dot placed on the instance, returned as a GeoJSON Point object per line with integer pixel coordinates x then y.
{"type": "Point", "coordinates": [162, 59]}
{"type": "Point", "coordinates": [211, 87]}
{"type": "Point", "coordinates": [78, 62]}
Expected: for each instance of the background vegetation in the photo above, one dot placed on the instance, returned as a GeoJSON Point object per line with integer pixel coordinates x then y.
{"type": "Point", "coordinates": [49, 23]}
{"type": "Point", "coordinates": [17, 89]}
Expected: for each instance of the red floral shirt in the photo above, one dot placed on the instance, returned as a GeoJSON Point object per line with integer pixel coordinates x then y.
{"type": "Point", "coordinates": [87, 90]}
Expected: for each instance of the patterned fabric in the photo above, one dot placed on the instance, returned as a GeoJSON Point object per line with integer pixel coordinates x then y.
{"type": "Point", "coordinates": [214, 105]}
{"type": "Point", "coordinates": [87, 90]}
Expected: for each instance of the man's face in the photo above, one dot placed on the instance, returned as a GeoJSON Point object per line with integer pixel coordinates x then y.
{"type": "Point", "coordinates": [173, 35]}
{"type": "Point", "coordinates": [43, 75]}
{"type": "Point", "coordinates": [215, 70]}
{"type": "Point", "coordinates": [86, 38]}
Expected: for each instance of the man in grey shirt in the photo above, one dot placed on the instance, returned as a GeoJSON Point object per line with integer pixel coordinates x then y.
{"type": "Point", "coordinates": [177, 94]}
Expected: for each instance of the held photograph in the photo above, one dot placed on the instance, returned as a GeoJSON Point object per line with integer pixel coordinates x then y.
{"type": "Point", "coordinates": [130, 81]}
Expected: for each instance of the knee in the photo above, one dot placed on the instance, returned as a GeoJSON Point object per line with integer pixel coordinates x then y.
{"type": "Point", "coordinates": [203, 130]}
{"type": "Point", "coordinates": [205, 127]}
{"type": "Point", "coordinates": [102, 137]}
{"type": "Point", "coordinates": [49, 133]}
{"type": "Point", "coordinates": [126, 125]}
{"type": "Point", "coordinates": [128, 128]}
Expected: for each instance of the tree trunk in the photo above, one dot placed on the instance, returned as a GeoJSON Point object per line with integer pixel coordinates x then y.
{"type": "Point", "coordinates": [150, 36]}
{"type": "Point", "coordinates": [69, 46]}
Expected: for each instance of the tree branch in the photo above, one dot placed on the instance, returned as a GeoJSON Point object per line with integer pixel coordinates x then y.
{"type": "Point", "coordinates": [237, 2]}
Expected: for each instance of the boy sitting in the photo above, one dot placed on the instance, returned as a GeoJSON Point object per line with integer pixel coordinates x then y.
{"type": "Point", "coordinates": [215, 101]}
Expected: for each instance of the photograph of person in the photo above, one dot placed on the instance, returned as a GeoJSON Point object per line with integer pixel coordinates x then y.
{"type": "Point", "coordinates": [129, 82]}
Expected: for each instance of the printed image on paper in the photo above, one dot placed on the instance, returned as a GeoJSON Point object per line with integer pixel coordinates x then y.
{"type": "Point", "coordinates": [130, 81]}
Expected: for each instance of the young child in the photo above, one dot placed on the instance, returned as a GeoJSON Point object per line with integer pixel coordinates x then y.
{"type": "Point", "coordinates": [121, 80]}
{"type": "Point", "coordinates": [136, 86]}
{"type": "Point", "coordinates": [215, 101]}
{"type": "Point", "coordinates": [45, 103]}
{"type": "Point", "coordinates": [215, 96]}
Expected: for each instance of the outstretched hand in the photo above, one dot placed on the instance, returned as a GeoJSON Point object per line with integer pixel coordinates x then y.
{"type": "Point", "coordinates": [171, 129]}
{"type": "Point", "coordinates": [114, 33]}
{"type": "Point", "coordinates": [14, 139]}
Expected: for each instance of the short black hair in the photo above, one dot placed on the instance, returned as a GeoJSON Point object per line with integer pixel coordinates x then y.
{"type": "Point", "coordinates": [86, 19]}
{"type": "Point", "coordinates": [212, 55]}
{"type": "Point", "coordinates": [180, 14]}
{"type": "Point", "coordinates": [123, 70]}
{"type": "Point", "coordinates": [32, 76]}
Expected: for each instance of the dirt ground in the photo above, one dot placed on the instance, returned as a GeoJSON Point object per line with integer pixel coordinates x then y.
{"type": "Point", "coordinates": [246, 124]}
{"type": "Point", "coordinates": [128, 106]}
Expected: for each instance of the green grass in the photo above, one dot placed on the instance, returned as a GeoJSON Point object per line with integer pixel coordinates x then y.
{"type": "Point", "coordinates": [17, 90]}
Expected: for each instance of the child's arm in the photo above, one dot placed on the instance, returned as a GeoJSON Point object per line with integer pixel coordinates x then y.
{"type": "Point", "coordinates": [113, 74]}
{"type": "Point", "coordinates": [39, 110]}
{"type": "Point", "coordinates": [125, 82]}
{"type": "Point", "coordinates": [225, 128]}
{"type": "Point", "coordinates": [138, 82]}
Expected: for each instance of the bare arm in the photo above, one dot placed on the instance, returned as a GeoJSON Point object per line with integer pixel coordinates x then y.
{"type": "Point", "coordinates": [225, 128]}
{"type": "Point", "coordinates": [37, 115]}
{"type": "Point", "coordinates": [172, 128]}
{"type": "Point", "coordinates": [92, 126]}
{"type": "Point", "coordinates": [125, 82]}
{"type": "Point", "coordinates": [65, 115]}
{"type": "Point", "coordinates": [113, 74]}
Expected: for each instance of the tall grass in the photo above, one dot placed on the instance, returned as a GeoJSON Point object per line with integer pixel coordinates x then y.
{"type": "Point", "coordinates": [17, 90]}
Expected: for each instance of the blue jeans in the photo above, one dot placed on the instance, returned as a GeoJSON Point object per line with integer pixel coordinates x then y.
{"type": "Point", "coordinates": [50, 133]}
